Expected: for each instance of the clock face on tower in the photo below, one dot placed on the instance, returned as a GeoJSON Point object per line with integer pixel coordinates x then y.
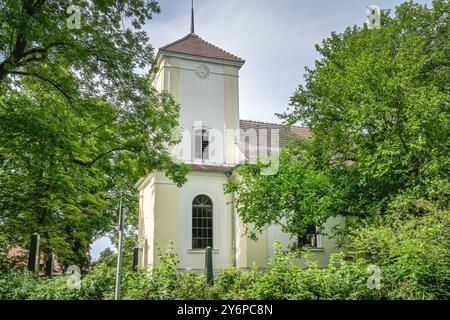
{"type": "Point", "coordinates": [202, 71]}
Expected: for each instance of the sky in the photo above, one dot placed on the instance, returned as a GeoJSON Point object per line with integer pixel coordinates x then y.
{"type": "Point", "coordinates": [277, 39]}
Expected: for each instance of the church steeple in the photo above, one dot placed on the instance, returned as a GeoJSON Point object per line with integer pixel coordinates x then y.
{"type": "Point", "coordinates": [192, 16]}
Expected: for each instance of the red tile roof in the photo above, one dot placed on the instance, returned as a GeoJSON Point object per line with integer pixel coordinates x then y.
{"type": "Point", "coordinates": [16, 252]}
{"type": "Point", "coordinates": [284, 132]}
{"type": "Point", "coordinates": [194, 45]}
{"type": "Point", "coordinates": [258, 135]}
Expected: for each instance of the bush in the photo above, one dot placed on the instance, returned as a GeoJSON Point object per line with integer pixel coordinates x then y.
{"type": "Point", "coordinates": [231, 284]}
{"type": "Point", "coordinates": [24, 285]}
{"type": "Point", "coordinates": [412, 253]}
{"type": "Point", "coordinates": [284, 279]}
{"type": "Point", "coordinates": [16, 285]}
{"type": "Point", "coordinates": [165, 282]}
{"type": "Point", "coordinates": [99, 283]}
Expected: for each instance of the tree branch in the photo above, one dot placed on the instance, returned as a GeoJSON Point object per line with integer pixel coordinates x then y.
{"type": "Point", "coordinates": [93, 161]}
{"type": "Point", "coordinates": [54, 84]}
{"type": "Point", "coordinates": [15, 57]}
{"type": "Point", "coordinates": [99, 126]}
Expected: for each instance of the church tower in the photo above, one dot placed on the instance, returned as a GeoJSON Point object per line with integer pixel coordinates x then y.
{"type": "Point", "coordinates": [204, 80]}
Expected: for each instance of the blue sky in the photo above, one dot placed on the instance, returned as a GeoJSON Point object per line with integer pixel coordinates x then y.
{"type": "Point", "coordinates": [275, 37]}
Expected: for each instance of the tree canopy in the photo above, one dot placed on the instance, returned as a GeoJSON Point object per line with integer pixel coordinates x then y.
{"type": "Point", "coordinates": [377, 106]}
{"type": "Point", "coordinates": [79, 120]}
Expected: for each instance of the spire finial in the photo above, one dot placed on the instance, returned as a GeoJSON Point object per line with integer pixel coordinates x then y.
{"type": "Point", "coordinates": [192, 16]}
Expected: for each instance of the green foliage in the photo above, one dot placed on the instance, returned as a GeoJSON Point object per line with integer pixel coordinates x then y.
{"type": "Point", "coordinates": [377, 107]}
{"type": "Point", "coordinates": [412, 255]}
{"type": "Point", "coordinates": [301, 193]}
{"type": "Point", "coordinates": [165, 282]}
{"type": "Point", "coordinates": [16, 285]}
{"type": "Point", "coordinates": [79, 125]}
{"type": "Point", "coordinates": [25, 285]}
{"type": "Point", "coordinates": [231, 283]}
{"type": "Point", "coordinates": [98, 283]}
{"type": "Point", "coordinates": [378, 101]}
{"type": "Point", "coordinates": [285, 280]}
{"type": "Point", "coordinates": [4, 247]}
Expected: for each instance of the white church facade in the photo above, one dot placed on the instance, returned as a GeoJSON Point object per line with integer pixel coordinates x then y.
{"type": "Point", "coordinates": [204, 80]}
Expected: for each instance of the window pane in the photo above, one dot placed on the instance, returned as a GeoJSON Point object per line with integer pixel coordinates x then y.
{"type": "Point", "coordinates": [202, 222]}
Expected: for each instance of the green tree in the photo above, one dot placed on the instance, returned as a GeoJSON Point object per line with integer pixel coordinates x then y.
{"type": "Point", "coordinates": [109, 257]}
{"type": "Point", "coordinates": [300, 194]}
{"type": "Point", "coordinates": [377, 106]}
{"type": "Point", "coordinates": [379, 101]}
{"type": "Point", "coordinates": [79, 122]}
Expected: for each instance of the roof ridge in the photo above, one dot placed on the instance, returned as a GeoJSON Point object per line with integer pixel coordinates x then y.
{"type": "Point", "coordinates": [277, 124]}
{"type": "Point", "coordinates": [196, 36]}
{"type": "Point", "coordinates": [209, 43]}
{"type": "Point", "coordinates": [176, 41]}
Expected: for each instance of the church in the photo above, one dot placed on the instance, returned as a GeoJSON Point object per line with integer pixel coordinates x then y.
{"type": "Point", "coordinates": [204, 80]}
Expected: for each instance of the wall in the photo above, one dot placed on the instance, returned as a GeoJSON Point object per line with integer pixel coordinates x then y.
{"type": "Point", "coordinates": [147, 221]}
{"type": "Point", "coordinates": [166, 218]}
{"type": "Point", "coordinates": [210, 184]}
{"type": "Point", "coordinates": [213, 102]}
{"type": "Point", "coordinates": [257, 251]}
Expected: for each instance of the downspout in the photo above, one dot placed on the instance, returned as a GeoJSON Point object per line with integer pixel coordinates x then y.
{"type": "Point", "coordinates": [233, 223]}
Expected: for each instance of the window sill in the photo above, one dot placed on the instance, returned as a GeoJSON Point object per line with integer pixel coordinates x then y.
{"type": "Point", "coordinates": [198, 251]}
{"type": "Point", "coordinates": [315, 249]}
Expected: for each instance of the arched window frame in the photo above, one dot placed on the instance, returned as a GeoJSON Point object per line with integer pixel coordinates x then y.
{"type": "Point", "coordinates": [202, 231]}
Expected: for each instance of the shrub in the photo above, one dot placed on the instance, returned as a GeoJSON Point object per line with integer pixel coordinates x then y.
{"type": "Point", "coordinates": [231, 283]}
{"type": "Point", "coordinates": [165, 282]}
{"type": "Point", "coordinates": [98, 284]}
{"type": "Point", "coordinates": [17, 285]}
{"type": "Point", "coordinates": [412, 253]}
{"type": "Point", "coordinates": [24, 285]}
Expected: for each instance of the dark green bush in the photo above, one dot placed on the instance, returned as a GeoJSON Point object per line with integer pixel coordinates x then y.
{"type": "Point", "coordinates": [412, 254]}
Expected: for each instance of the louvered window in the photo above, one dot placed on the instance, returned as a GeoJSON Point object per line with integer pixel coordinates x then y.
{"type": "Point", "coordinates": [201, 144]}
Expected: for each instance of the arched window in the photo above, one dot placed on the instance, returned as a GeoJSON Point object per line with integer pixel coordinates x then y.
{"type": "Point", "coordinates": [201, 144]}
{"type": "Point", "coordinates": [202, 222]}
